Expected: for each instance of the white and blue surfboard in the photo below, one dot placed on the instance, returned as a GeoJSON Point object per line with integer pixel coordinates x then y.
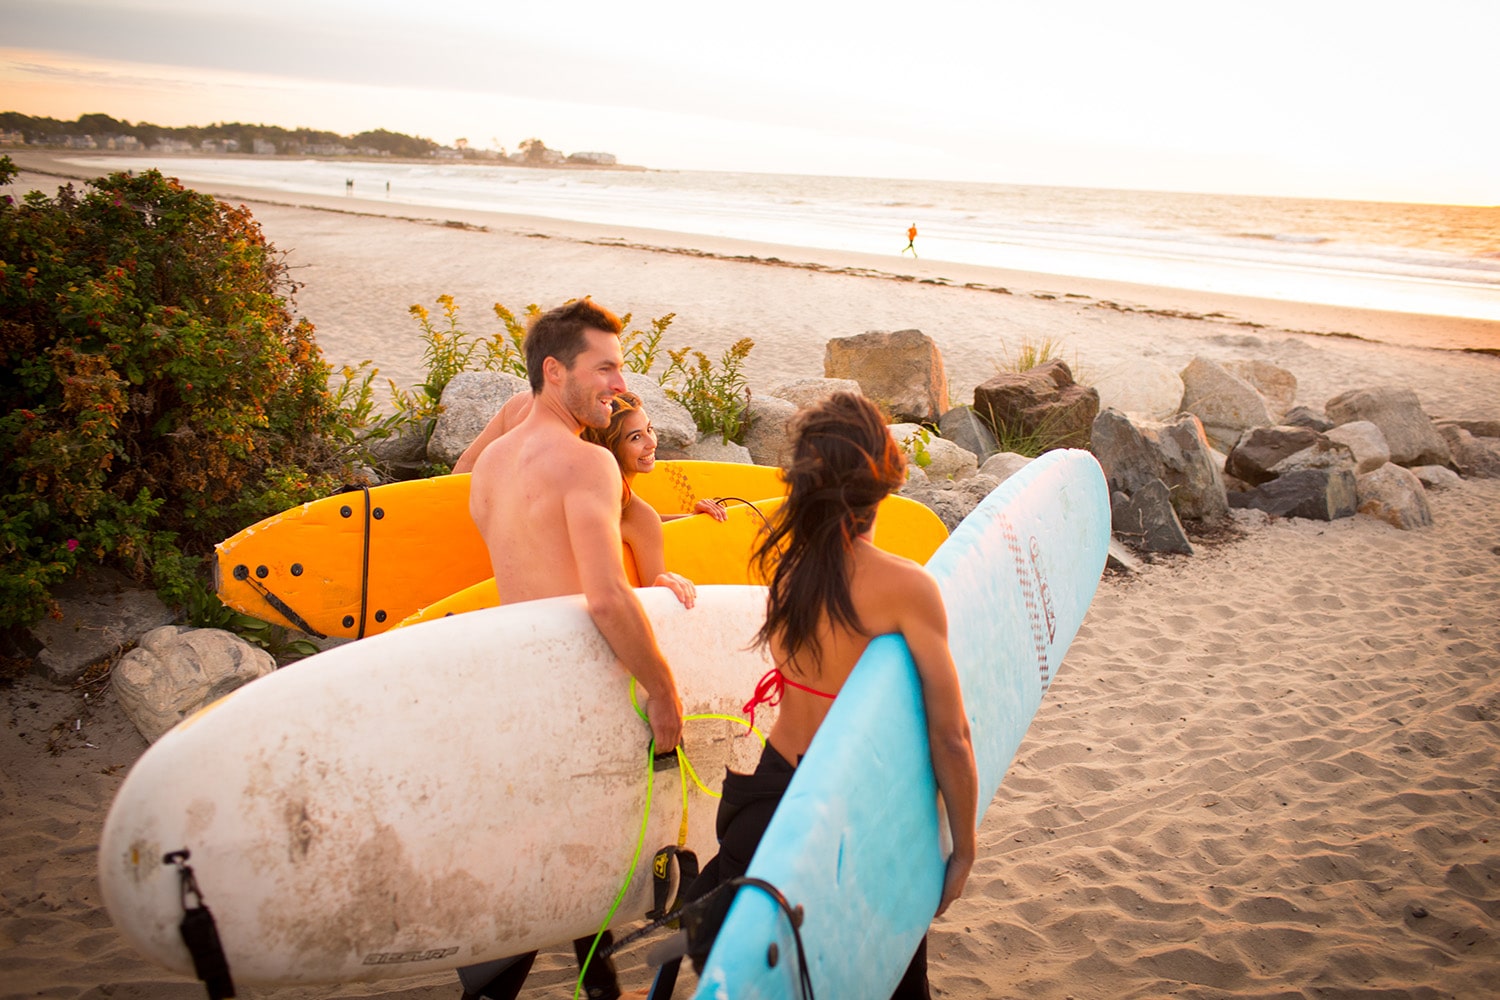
{"type": "Point", "coordinates": [857, 841]}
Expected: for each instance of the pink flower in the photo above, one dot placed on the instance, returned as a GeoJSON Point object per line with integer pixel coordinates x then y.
{"type": "Point", "coordinates": [72, 544]}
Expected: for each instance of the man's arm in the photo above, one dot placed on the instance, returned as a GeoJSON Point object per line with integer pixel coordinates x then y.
{"type": "Point", "coordinates": [925, 628]}
{"type": "Point", "coordinates": [591, 507]}
{"type": "Point", "coordinates": [511, 413]}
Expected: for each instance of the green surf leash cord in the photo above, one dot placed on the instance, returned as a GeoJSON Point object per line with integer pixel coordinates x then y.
{"type": "Point", "coordinates": [684, 772]}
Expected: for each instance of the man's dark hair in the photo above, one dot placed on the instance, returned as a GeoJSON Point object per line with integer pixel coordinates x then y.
{"type": "Point", "coordinates": [558, 333]}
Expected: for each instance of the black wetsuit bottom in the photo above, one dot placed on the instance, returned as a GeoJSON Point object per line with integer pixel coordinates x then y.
{"type": "Point", "coordinates": [745, 811]}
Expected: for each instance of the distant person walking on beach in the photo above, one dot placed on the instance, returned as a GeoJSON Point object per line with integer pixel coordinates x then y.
{"type": "Point", "coordinates": [911, 241]}
{"type": "Point", "coordinates": [349, 186]}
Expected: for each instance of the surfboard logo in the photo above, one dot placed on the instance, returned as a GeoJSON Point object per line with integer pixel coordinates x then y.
{"type": "Point", "coordinates": [398, 957]}
{"type": "Point", "coordinates": [1035, 594]}
{"type": "Point", "coordinates": [1044, 592]}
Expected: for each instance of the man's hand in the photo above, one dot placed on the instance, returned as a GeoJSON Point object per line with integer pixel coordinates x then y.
{"type": "Point", "coordinates": [679, 585]}
{"type": "Point", "coordinates": [953, 881]}
{"type": "Point", "coordinates": [665, 716]}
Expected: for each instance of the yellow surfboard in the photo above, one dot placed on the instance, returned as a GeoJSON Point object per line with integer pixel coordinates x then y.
{"type": "Point", "coordinates": [356, 564]}
{"type": "Point", "coordinates": [708, 551]}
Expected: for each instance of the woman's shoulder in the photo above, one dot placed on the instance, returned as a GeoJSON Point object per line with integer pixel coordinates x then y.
{"type": "Point", "coordinates": [896, 579]}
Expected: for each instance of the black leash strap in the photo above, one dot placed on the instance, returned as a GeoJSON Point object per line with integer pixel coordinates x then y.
{"type": "Point", "coordinates": [283, 608]}
{"type": "Point", "coordinates": [661, 880]}
{"type": "Point", "coordinates": [747, 503]}
{"type": "Point", "coordinates": [701, 919]}
{"type": "Point", "coordinates": [199, 933]}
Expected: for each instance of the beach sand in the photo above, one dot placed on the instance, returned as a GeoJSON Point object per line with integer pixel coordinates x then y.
{"type": "Point", "coordinates": [1271, 769]}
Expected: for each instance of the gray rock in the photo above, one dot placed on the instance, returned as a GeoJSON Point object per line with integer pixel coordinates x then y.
{"type": "Point", "coordinates": [1437, 477]}
{"type": "Point", "coordinates": [1225, 403]}
{"type": "Point", "coordinates": [1264, 453]}
{"type": "Point", "coordinates": [713, 448]}
{"type": "Point", "coordinates": [101, 614]}
{"type": "Point", "coordinates": [950, 501]}
{"type": "Point", "coordinates": [769, 437]}
{"type": "Point", "coordinates": [901, 371]}
{"type": "Point", "coordinates": [945, 460]}
{"type": "Point", "coordinates": [174, 671]}
{"type": "Point", "coordinates": [1043, 405]}
{"type": "Point", "coordinates": [403, 453]}
{"type": "Point", "coordinates": [1147, 521]}
{"type": "Point", "coordinates": [1141, 388]}
{"type": "Point", "coordinates": [1366, 443]}
{"type": "Point", "coordinates": [961, 426]}
{"type": "Point", "coordinates": [469, 401]}
{"type": "Point", "coordinates": [1190, 467]}
{"type": "Point", "coordinates": [1396, 496]}
{"type": "Point", "coordinates": [1306, 416]}
{"type": "Point", "coordinates": [1003, 465]}
{"type": "Point", "coordinates": [1473, 457]}
{"type": "Point", "coordinates": [1276, 384]}
{"type": "Point", "coordinates": [805, 392]}
{"type": "Point", "coordinates": [1128, 458]}
{"type": "Point", "coordinates": [1478, 428]}
{"type": "Point", "coordinates": [675, 430]}
{"type": "Point", "coordinates": [1319, 494]}
{"type": "Point", "coordinates": [1408, 430]}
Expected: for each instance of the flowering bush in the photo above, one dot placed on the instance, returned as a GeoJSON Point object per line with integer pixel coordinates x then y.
{"type": "Point", "coordinates": [157, 393]}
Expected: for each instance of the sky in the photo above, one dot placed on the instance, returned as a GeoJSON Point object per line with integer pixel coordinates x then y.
{"type": "Point", "coordinates": [1359, 99]}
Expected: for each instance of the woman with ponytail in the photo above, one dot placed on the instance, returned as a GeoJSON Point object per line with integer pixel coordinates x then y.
{"type": "Point", "coordinates": [830, 592]}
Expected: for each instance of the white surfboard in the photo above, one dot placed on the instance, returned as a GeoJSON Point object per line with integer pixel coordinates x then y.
{"type": "Point", "coordinates": [435, 796]}
{"type": "Point", "coordinates": [856, 841]}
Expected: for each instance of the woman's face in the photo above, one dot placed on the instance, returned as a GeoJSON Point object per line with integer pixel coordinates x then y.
{"type": "Point", "coordinates": [636, 451]}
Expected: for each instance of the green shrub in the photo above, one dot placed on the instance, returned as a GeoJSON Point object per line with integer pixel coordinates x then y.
{"type": "Point", "coordinates": [716, 397]}
{"type": "Point", "coordinates": [157, 393]}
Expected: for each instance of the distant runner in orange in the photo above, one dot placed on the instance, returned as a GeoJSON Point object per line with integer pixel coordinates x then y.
{"type": "Point", "coordinates": [911, 240]}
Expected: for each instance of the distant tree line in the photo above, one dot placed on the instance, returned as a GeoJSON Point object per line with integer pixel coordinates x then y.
{"type": "Point", "coordinates": [43, 130]}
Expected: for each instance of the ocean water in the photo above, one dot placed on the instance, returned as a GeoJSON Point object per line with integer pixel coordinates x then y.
{"type": "Point", "coordinates": [1429, 259]}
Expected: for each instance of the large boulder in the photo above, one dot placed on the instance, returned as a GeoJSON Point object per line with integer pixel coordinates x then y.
{"type": "Point", "coordinates": [1394, 495]}
{"type": "Point", "coordinates": [1263, 453]}
{"type": "Point", "coordinates": [901, 371]}
{"type": "Point", "coordinates": [402, 453]}
{"type": "Point", "coordinates": [1128, 459]}
{"type": "Point", "coordinates": [1437, 477]}
{"type": "Point", "coordinates": [175, 671]}
{"type": "Point", "coordinates": [1408, 430]}
{"type": "Point", "coordinates": [1225, 403]}
{"type": "Point", "coordinates": [1276, 384]}
{"type": "Point", "coordinates": [1318, 494]}
{"type": "Point", "coordinates": [675, 430]}
{"type": "Point", "coordinates": [1003, 465]}
{"type": "Point", "coordinates": [1140, 387]}
{"type": "Point", "coordinates": [1365, 442]}
{"type": "Point", "coordinates": [713, 448]}
{"type": "Point", "coordinates": [1191, 468]}
{"type": "Point", "coordinates": [470, 400]}
{"type": "Point", "coordinates": [1473, 457]}
{"type": "Point", "coordinates": [950, 500]}
{"type": "Point", "coordinates": [769, 435]}
{"type": "Point", "coordinates": [805, 392]}
{"type": "Point", "coordinates": [1306, 416]}
{"type": "Point", "coordinates": [99, 613]}
{"type": "Point", "coordinates": [1147, 521]}
{"type": "Point", "coordinates": [938, 457]}
{"type": "Point", "coordinates": [1042, 406]}
{"type": "Point", "coordinates": [964, 428]}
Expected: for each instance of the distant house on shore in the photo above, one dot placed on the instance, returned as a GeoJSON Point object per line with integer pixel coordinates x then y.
{"type": "Point", "coordinates": [173, 146]}
{"type": "Point", "coordinates": [12, 138]}
{"type": "Point", "coordinates": [263, 147]}
{"type": "Point", "coordinates": [594, 159]}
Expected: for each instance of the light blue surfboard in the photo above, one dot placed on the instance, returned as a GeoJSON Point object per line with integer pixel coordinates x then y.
{"type": "Point", "coordinates": [856, 840]}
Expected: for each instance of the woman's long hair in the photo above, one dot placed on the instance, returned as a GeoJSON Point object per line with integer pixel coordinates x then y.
{"type": "Point", "coordinates": [609, 437]}
{"type": "Point", "coordinates": [844, 462]}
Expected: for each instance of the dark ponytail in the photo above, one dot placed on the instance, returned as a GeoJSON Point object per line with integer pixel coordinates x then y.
{"type": "Point", "coordinates": [844, 462]}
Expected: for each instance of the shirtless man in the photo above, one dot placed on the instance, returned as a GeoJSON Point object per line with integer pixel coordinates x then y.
{"type": "Point", "coordinates": [548, 503]}
{"type": "Point", "coordinates": [509, 417]}
{"type": "Point", "coordinates": [548, 506]}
